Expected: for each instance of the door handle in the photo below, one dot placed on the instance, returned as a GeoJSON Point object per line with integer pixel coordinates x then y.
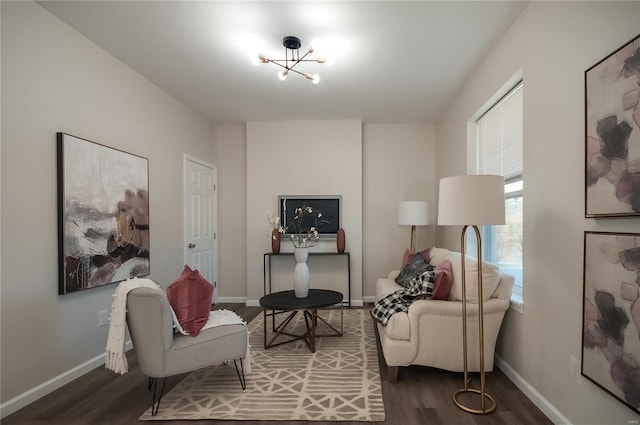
{"type": "Point", "coordinates": [191, 245]}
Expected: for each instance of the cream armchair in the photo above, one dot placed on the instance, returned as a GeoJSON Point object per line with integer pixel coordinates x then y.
{"type": "Point", "coordinates": [162, 353]}
{"type": "Point", "coordinates": [430, 332]}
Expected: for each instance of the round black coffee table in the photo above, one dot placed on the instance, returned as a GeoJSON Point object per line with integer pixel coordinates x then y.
{"type": "Point", "coordinates": [287, 302]}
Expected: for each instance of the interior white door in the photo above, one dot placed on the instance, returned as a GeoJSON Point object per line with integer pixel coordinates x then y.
{"type": "Point", "coordinates": [200, 223]}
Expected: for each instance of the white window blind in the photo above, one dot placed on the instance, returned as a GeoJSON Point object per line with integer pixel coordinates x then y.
{"type": "Point", "coordinates": [500, 136]}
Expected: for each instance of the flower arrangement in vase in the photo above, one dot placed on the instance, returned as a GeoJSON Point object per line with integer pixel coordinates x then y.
{"type": "Point", "coordinates": [300, 235]}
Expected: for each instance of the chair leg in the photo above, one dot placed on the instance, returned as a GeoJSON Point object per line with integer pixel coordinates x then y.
{"type": "Point", "coordinates": [151, 381]}
{"type": "Point", "coordinates": [155, 404]}
{"type": "Point", "coordinates": [392, 373]}
{"type": "Point", "coordinates": [240, 372]}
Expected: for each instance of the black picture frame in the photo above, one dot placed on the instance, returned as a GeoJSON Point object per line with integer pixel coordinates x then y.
{"type": "Point", "coordinates": [103, 214]}
{"type": "Point", "coordinates": [329, 205]}
{"type": "Point", "coordinates": [612, 124]}
{"type": "Point", "coordinates": [610, 312]}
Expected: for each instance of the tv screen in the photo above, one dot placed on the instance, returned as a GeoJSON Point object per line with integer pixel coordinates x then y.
{"type": "Point", "coordinates": [329, 206]}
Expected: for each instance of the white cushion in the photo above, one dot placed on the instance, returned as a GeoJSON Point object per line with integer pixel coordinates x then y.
{"type": "Point", "coordinates": [490, 275]}
{"type": "Point", "coordinates": [176, 322]}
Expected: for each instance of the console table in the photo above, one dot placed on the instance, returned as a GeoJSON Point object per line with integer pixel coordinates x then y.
{"type": "Point", "coordinates": [267, 270]}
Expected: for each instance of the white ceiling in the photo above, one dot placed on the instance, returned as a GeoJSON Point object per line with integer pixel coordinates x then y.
{"type": "Point", "coordinates": [396, 62]}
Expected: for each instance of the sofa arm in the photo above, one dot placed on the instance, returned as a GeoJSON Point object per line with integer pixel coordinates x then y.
{"type": "Point", "coordinates": [436, 329]}
{"type": "Point", "coordinates": [385, 287]}
{"type": "Point", "coordinates": [454, 308]}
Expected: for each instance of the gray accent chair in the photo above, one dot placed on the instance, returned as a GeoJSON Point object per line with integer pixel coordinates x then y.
{"type": "Point", "coordinates": [162, 353]}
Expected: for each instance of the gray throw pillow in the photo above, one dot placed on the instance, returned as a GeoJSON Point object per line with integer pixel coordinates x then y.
{"type": "Point", "coordinates": [415, 267]}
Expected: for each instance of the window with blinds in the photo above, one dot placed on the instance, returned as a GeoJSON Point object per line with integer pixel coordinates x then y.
{"type": "Point", "coordinates": [500, 151]}
{"type": "Point", "coordinates": [500, 136]}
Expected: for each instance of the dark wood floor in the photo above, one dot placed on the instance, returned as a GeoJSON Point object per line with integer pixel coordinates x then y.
{"type": "Point", "coordinates": [421, 396]}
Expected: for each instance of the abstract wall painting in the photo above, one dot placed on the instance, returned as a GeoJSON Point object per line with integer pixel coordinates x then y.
{"type": "Point", "coordinates": [612, 132]}
{"type": "Point", "coordinates": [103, 215]}
{"type": "Point", "coordinates": [611, 314]}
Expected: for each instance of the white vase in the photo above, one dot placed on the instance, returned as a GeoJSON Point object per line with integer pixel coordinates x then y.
{"type": "Point", "coordinates": [301, 278]}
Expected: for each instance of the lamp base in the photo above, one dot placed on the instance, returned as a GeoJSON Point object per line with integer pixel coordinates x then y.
{"type": "Point", "coordinates": [483, 409]}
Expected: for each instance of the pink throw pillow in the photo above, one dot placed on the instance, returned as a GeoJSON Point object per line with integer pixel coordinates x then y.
{"type": "Point", "coordinates": [406, 257]}
{"type": "Point", "coordinates": [426, 254]}
{"type": "Point", "coordinates": [190, 297]}
{"type": "Point", "coordinates": [444, 279]}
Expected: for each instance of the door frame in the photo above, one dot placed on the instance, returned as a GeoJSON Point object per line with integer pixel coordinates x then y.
{"type": "Point", "coordinates": [214, 211]}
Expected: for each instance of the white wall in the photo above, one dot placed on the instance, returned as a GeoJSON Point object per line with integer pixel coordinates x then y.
{"type": "Point", "coordinates": [54, 79]}
{"type": "Point", "coordinates": [302, 158]}
{"type": "Point", "coordinates": [398, 165]}
{"type": "Point", "coordinates": [553, 43]}
{"type": "Point", "coordinates": [232, 204]}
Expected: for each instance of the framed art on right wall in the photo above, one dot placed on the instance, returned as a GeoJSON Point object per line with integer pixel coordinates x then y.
{"type": "Point", "coordinates": [611, 314]}
{"type": "Point", "coordinates": [612, 133]}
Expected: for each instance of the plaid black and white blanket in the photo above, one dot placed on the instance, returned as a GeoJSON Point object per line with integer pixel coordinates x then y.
{"type": "Point", "coordinates": [420, 287]}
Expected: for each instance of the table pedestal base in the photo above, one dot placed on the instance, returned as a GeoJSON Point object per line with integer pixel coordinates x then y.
{"type": "Point", "coordinates": [311, 318]}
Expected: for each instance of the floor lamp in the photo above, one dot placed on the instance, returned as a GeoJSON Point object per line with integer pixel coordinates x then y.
{"type": "Point", "coordinates": [413, 213]}
{"type": "Point", "coordinates": [470, 201]}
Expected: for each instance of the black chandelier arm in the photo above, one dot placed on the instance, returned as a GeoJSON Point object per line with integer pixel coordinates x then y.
{"type": "Point", "coordinates": [278, 63]}
{"type": "Point", "coordinates": [298, 72]}
{"type": "Point", "coordinates": [300, 59]}
{"type": "Point", "coordinates": [290, 67]}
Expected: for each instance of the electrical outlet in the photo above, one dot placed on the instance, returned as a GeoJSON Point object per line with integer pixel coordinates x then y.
{"type": "Point", "coordinates": [574, 369]}
{"type": "Point", "coordinates": [103, 318]}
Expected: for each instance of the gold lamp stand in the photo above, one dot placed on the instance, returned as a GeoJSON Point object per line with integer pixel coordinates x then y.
{"type": "Point", "coordinates": [469, 201]}
{"type": "Point", "coordinates": [485, 407]}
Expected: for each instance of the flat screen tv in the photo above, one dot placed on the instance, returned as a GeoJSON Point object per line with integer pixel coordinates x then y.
{"type": "Point", "coordinates": [329, 205]}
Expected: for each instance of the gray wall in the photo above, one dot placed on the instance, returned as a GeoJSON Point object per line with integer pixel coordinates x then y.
{"type": "Point", "coordinates": [552, 43]}
{"type": "Point", "coordinates": [54, 79]}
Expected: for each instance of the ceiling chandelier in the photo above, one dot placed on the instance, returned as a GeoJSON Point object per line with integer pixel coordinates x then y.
{"type": "Point", "coordinates": [291, 59]}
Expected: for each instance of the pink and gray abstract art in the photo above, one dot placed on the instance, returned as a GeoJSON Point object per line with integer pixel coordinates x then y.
{"type": "Point", "coordinates": [611, 323]}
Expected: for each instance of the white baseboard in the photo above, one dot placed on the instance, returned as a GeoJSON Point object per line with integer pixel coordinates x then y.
{"type": "Point", "coordinates": [232, 300]}
{"type": "Point", "coordinates": [532, 394]}
{"type": "Point", "coordinates": [28, 397]}
{"type": "Point", "coordinates": [370, 299]}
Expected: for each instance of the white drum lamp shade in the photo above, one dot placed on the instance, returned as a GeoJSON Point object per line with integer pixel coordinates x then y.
{"type": "Point", "coordinates": [471, 200]}
{"type": "Point", "coordinates": [413, 213]}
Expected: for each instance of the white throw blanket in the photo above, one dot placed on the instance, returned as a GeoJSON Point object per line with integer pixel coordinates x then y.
{"type": "Point", "coordinates": [115, 357]}
{"type": "Point", "coordinates": [227, 317]}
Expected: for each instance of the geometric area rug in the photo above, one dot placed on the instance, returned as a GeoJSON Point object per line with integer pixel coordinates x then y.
{"type": "Point", "coordinates": [339, 382]}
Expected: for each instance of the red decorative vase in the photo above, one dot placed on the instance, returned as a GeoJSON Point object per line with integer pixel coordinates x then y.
{"type": "Point", "coordinates": [340, 242]}
{"type": "Point", "coordinates": [275, 241]}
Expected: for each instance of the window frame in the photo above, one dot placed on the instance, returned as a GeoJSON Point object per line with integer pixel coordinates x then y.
{"type": "Point", "coordinates": [488, 233]}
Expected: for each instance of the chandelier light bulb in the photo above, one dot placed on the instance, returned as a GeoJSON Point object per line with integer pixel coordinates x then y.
{"type": "Point", "coordinates": [282, 75]}
{"type": "Point", "coordinates": [315, 78]}
{"type": "Point", "coordinates": [321, 60]}
{"type": "Point", "coordinates": [263, 58]}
